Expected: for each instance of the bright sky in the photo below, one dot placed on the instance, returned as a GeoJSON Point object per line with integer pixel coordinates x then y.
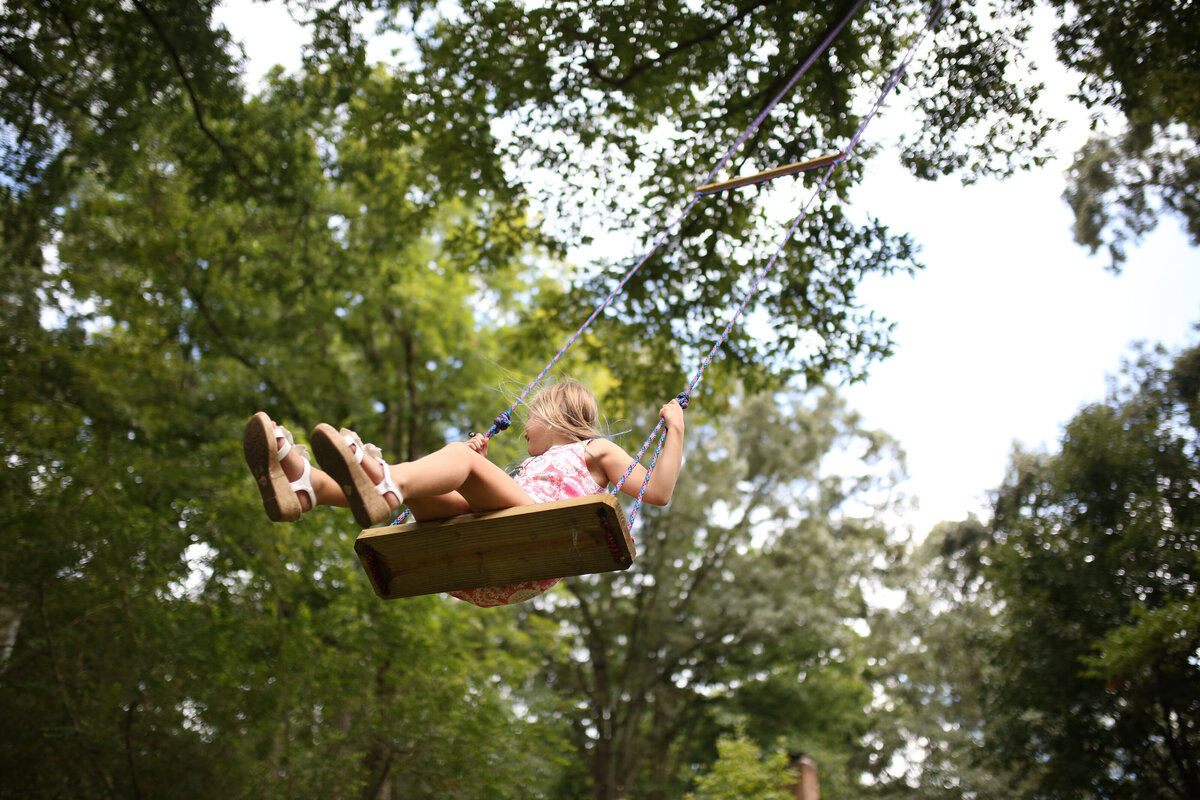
{"type": "Point", "coordinates": [1009, 330]}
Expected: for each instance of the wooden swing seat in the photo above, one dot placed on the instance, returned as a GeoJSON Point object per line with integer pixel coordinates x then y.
{"type": "Point", "coordinates": [577, 536]}
{"type": "Point", "coordinates": [770, 174]}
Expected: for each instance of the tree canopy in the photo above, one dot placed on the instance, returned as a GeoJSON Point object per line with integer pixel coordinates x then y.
{"type": "Point", "coordinates": [625, 104]}
{"type": "Point", "coordinates": [384, 246]}
{"type": "Point", "coordinates": [1061, 637]}
{"type": "Point", "coordinates": [1138, 62]}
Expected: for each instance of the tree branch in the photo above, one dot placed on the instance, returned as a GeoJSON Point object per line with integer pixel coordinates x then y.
{"type": "Point", "coordinates": [230, 349]}
{"type": "Point", "coordinates": [128, 732]}
{"type": "Point", "coordinates": [197, 109]}
{"type": "Point", "coordinates": [61, 684]}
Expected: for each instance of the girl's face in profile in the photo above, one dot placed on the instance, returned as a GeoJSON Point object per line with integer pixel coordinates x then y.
{"type": "Point", "coordinates": [538, 435]}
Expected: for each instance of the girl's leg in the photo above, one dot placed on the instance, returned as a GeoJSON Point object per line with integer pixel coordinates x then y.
{"type": "Point", "coordinates": [453, 480]}
{"type": "Point", "coordinates": [326, 488]}
{"type": "Point", "coordinates": [455, 469]}
{"type": "Point", "coordinates": [440, 506]}
{"type": "Point", "coordinates": [280, 468]}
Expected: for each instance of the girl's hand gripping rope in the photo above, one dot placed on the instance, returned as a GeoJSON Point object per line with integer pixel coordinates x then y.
{"type": "Point", "coordinates": [477, 442]}
{"type": "Point", "coordinates": [672, 415]}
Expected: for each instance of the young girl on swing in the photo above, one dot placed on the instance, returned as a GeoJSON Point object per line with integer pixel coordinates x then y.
{"type": "Point", "coordinates": [569, 457]}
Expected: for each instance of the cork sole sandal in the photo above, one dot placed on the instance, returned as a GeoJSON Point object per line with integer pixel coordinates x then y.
{"type": "Point", "coordinates": [340, 453]}
{"type": "Point", "coordinates": [265, 445]}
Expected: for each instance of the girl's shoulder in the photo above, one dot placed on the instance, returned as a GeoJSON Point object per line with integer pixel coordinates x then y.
{"type": "Point", "coordinates": [600, 445]}
{"type": "Point", "coordinates": [605, 452]}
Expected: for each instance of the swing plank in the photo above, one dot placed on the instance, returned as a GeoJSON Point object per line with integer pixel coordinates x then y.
{"type": "Point", "coordinates": [770, 174]}
{"type": "Point", "coordinates": [577, 536]}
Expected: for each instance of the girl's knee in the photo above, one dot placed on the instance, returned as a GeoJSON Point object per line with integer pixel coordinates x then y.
{"type": "Point", "coordinates": [463, 453]}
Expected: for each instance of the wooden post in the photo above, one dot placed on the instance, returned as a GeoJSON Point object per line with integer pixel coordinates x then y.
{"type": "Point", "coordinates": [806, 787]}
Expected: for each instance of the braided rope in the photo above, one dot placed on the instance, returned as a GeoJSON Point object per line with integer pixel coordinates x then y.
{"type": "Point", "coordinates": [893, 80]}
{"type": "Point", "coordinates": [746, 134]}
{"type": "Point", "coordinates": [614, 548]}
{"type": "Point", "coordinates": [502, 422]}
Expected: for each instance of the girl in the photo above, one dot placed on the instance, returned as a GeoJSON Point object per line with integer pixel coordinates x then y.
{"type": "Point", "coordinates": [568, 458]}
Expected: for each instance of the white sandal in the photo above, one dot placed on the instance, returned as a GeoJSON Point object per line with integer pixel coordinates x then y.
{"type": "Point", "coordinates": [340, 453]}
{"type": "Point", "coordinates": [265, 445]}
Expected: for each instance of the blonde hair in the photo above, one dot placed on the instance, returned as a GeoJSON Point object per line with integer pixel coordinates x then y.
{"type": "Point", "coordinates": [567, 407]}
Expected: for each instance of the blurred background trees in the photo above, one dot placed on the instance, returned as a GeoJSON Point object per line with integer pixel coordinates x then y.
{"type": "Point", "coordinates": [1061, 637]}
{"type": "Point", "coordinates": [388, 247]}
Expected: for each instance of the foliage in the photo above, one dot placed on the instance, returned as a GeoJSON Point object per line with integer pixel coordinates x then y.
{"type": "Point", "coordinates": [1140, 61]}
{"type": "Point", "coordinates": [739, 609]}
{"type": "Point", "coordinates": [586, 93]}
{"type": "Point", "coordinates": [933, 667]}
{"type": "Point", "coordinates": [1096, 568]}
{"type": "Point", "coordinates": [741, 772]}
{"type": "Point", "coordinates": [625, 107]}
{"type": "Point", "coordinates": [1053, 653]}
{"type": "Point", "coordinates": [975, 87]}
{"type": "Point", "coordinates": [82, 79]}
{"type": "Point", "coordinates": [170, 640]}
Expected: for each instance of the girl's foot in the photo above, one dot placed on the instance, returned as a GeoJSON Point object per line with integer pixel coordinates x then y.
{"type": "Point", "coordinates": [340, 453]}
{"type": "Point", "coordinates": [266, 445]}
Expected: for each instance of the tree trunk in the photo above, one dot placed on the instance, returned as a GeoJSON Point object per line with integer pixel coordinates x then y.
{"type": "Point", "coordinates": [10, 624]}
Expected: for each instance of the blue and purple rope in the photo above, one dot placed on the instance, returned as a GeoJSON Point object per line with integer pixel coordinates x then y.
{"type": "Point", "coordinates": [504, 420]}
{"type": "Point", "coordinates": [678, 221]}
{"type": "Point", "coordinates": [891, 83]}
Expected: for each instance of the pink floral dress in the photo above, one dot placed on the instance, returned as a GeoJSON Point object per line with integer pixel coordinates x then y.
{"type": "Point", "coordinates": [556, 474]}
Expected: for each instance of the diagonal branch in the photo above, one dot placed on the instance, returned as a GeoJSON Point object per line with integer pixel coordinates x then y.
{"type": "Point", "coordinates": [231, 349]}
{"type": "Point", "coordinates": [197, 108]}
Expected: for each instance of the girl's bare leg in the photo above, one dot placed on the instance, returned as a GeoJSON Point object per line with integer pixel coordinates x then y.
{"type": "Point", "coordinates": [439, 506]}
{"type": "Point", "coordinates": [328, 492]}
{"type": "Point", "coordinates": [453, 480]}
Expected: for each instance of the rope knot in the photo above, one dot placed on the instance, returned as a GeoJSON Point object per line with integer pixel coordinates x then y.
{"type": "Point", "coordinates": [683, 399]}
{"type": "Point", "coordinates": [502, 422]}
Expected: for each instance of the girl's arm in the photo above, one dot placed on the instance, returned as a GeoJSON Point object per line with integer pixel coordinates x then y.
{"type": "Point", "coordinates": [614, 461]}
